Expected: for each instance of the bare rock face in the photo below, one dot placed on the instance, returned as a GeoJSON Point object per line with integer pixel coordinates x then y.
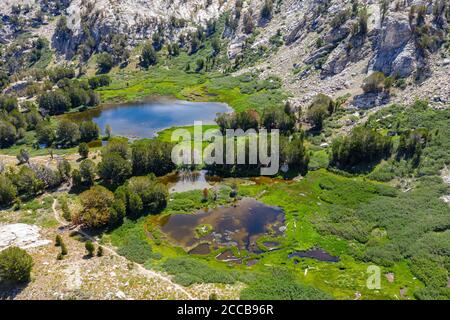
{"type": "Point", "coordinates": [137, 20]}
{"type": "Point", "coordinates": [21, 235]}
{"type": "Point", "coordinates": [391, 46]}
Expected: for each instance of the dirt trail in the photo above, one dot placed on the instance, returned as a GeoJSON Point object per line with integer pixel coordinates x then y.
{"type": "Point", "coordinates": [143, 271]}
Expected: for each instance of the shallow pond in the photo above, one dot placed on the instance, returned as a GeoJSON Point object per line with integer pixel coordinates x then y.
{"type": "Point", "coordinates": [239, 226]}
{"type": "Point", "coordinates": [144, 119]}
{"type": "Point", "coordinates": [186, 180]}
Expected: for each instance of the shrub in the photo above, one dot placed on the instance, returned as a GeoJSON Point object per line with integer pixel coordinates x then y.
{"type": "Point", "coordinates": [15, 265]}
{"type": "Point", "coordinates": [89, 131]}
{"type": "Point", "coordinates": [374, 82]}
{"type": "Point", "coordinates": [321, 107]}
{"type": "Point", "coordinates": [58, 240]}
{"type": "Point", "coordinates": [8, 191]}
{"type": "Point", "coordinates": [67, 133]}
{"type": "Point", "coordinates": [65, 209]}
{"type": "Point", "coordinates": [8, 134]}
{"type": "Point", "coordinates": [83, 150]}
{"type": "Point", "coordinates": [90, 248]}
{"type": "Point", "coordinates": [96, 203]}
{"type": "Point", "coordinates": [104, 62]}
{"type": "Point", "coordinates": [148, 56]}
{"type": "Point", "coordinates": [99, 81]}
{"type": "Point", "coordinates": [113, 169]}
{"type": "Point", "coordinates": [55, 102]}
{"type": "Point", "coordinates": [136, 249]}
{"type": "Point", "coordinates": [8, 103]}
{"type": "Point", "coordinates": [200, 64]}
{"type": "Point", "coordinates": [45, 133]}
{"type": "Point", "coordinates": [4, 80]}
{"type": "Point", "coordinates": [64, 251]}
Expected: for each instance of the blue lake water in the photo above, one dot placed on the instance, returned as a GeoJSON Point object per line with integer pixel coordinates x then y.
{"type": "Point", "coordinates": [144, 119]}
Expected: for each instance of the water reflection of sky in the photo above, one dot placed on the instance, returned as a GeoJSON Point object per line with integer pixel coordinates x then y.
{"type": "Point", "coordinates": [145, 119]}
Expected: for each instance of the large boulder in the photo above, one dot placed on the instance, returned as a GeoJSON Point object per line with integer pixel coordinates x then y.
{"type": "Point", "coordinates": [21, 235]}
{"type": "Point", "coordinates": [405, 63]}
{"type": "Point", "coordinates": [390, 45]}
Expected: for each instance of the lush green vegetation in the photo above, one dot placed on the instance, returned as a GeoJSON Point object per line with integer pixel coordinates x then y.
{"type": "Point", "coordinates": [188, 271]}
{"type": "Point", "coordinates": [241, 93]}
{"type": "Point", "coordinates": [281, 285]}
{"type": "Point", "coordinates": [430, 156]}
{"type": "Point", "coordinates": [15, 265]}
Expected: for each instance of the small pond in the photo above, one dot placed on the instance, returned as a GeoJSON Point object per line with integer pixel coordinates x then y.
{"type": "Point", "coordinates": [143, 119]}
{"type": "Point", "coordinates": [238, 226]}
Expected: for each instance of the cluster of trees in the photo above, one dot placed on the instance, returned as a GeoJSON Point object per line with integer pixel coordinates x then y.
{"type": "Point", "coordinates": [377, 82]}
{"type": "Point", "coordinates": [66, 133]}
{"type": "Point", "coordinates": [427, 38]}
{"type": "Point", "coordinates": [101, 207]}
{"type": "Point", "coordinates": [197, 38]}
{"type": "Point", "coordinates": [99, 81]}
{"type": "Point", "coordinates": [134, 196]}
{"type": "Point", "coordinates": [119, 162]}
{"type": "Point", "coordinates": [321, 107]}
{"type": "Point", "coordinates": [138, 195]}
{"type": "Point", "coordinates": [151, 156]}
{"type": "Point", "coordinates": [248, 119]}
{"type": "Point", "coordinates": [363, 145]}
{"type": "Point", "coordinates": [13, 123]}
{"type": "Point", "coordinates": [114, 51]}
{"type": "Point", "coordinates": [232, 19]}
{"type": "Point", "coordinates": [293, 152]}
{"type": "Point", "coordinates": [70, 94]}
{"type": "Point", "coordinates": [411, 144]}
{"type": "Point", "coordinates": [422, 150]}
{"type": "Point", "coordinates": [4, 79]}
{"type": "Point", "coordinates": [272, 118]}
{"type": "Point", "coordinates": [30, 180]}
{"type": "Point", "coordinates": [267, 9]}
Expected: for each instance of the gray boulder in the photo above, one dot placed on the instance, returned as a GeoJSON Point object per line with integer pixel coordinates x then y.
{"type": "Point", "coordinates": [391, 46]}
